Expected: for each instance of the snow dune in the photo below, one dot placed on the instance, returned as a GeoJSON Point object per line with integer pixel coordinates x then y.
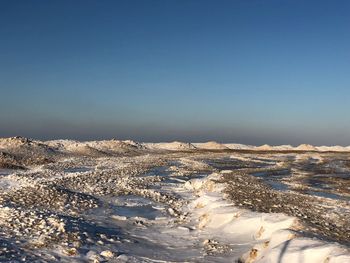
{"type": "Point", "coordinates": [265, 237]}
{"type": "Point", "coordinates": [121, 146]}
{"type": "Point", "coordinates": [173, 146]}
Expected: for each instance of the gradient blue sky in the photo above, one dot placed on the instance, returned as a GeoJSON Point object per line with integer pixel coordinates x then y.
{"type": "Point", "coordinates": [255, 72]}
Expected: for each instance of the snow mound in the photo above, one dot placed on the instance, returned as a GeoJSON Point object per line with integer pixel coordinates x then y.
{"type": "Point", "coordinates": [84, 149]}
{"type": "Point", "coordinates": [283, 148]}
{"type": "Point", "coordinates": [306, 147]}
{"type": "Point", "coordinates": [18, 141]}
{"type": "Point", "coordinates": [303, 249]}
{"type": "Point", "coordinates": [115, 146]}
{"type": "Point", "coordinates": [96, 148]}
{"type": "Point", "coordinates": [173, 146]}
{"type": "Point", "coordinates": [264, 147]}
{"type": "Point", "coordinates": [212, 145]}
{"type": "Point", "coordinates": [336, 148]}
{"type": "Point", "coordinates": [267, 147]}
{"type": "Point", "coordinates": [27, 151]}
{"type": "Point", "coordinates": [61, 144]}
{"type": "Point", "coordinates": [237, 146]}
{"type": "Point", "coordinates": [302, 147]}
{"type": "Point", "coordinates": [266, 237]}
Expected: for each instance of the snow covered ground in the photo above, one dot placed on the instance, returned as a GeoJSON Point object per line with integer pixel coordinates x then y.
{"type": "Point", "coordinates": [123, 201]}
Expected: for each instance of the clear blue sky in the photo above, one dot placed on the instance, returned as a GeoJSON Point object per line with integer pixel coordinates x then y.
{"type": "Point", "coordinates": [233, 71]}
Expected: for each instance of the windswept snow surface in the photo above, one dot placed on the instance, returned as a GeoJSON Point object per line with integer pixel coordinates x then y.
{"type": "Point", "coordinates": [265, 237]}
{"type": "Point", "coordinates": [123, 201]}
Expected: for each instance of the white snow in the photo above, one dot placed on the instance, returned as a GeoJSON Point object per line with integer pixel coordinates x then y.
{"type": "Point", "coordinates": [237, 146]}
{"type": "Point", "coordinates": [118, 145]}
{"type": "Point", "coordinates": [212, 145]}
{"type": "Point", "coordinates": [208, 217]}
{"type": "Point", "coordinates": [265, 237]}
{"type": "Point", "coordinates": [173, 146]}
